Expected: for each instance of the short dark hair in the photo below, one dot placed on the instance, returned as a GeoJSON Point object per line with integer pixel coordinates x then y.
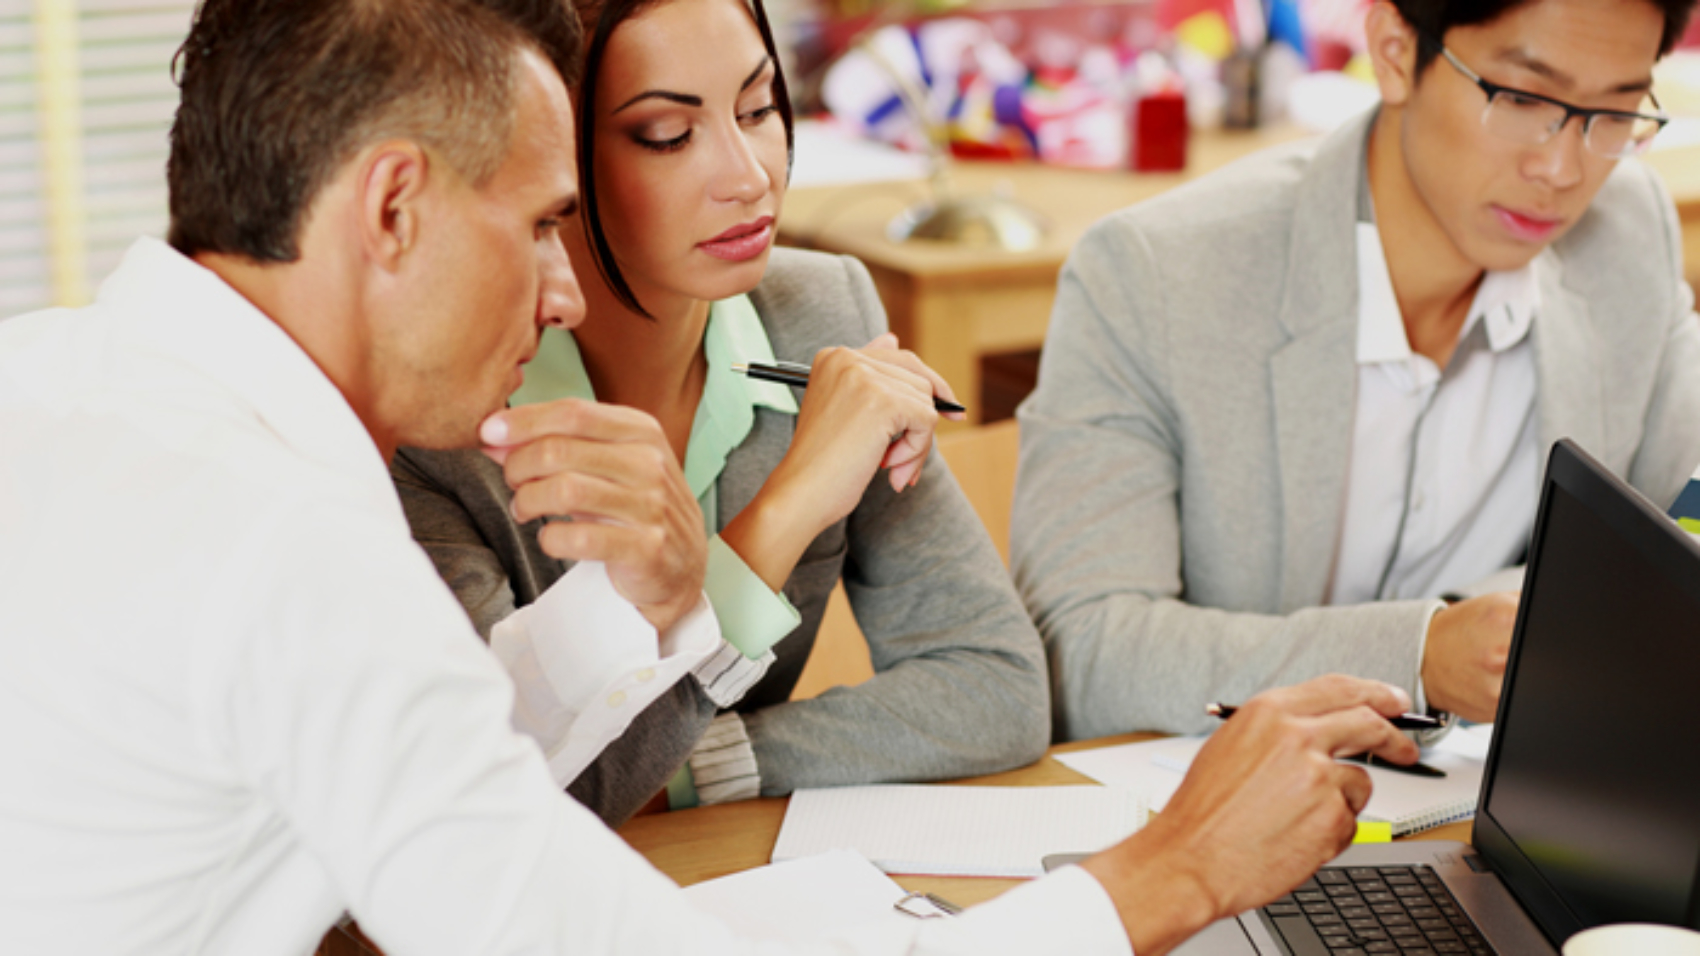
{"type": "Point", "coordinates": [278, 94]}
{"type": "Point", "coordinates": [1433, 18]}
{"type": "Point", "coordinates": [599, 18]}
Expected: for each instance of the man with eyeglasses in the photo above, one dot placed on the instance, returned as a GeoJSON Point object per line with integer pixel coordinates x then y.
{"type": "Point", "coordinates": [1292, 418]}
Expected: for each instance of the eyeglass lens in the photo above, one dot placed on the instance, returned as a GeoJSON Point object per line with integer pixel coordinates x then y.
{"type": "Point", "coordinates": [1532, 121]}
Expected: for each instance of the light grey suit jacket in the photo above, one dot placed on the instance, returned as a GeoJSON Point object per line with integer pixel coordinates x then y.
{"type": "Point", "coordinates": [1184, 459]}
{"type": "Point", "coordinates": [960, 685]}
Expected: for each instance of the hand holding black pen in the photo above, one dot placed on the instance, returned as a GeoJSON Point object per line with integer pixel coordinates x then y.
{"type": "Point", "coordinates": [865, 410]}
{"type": "Point", "coordinates": [797, 376]}
{"type": "Point", "coordinates": [1402, 722]}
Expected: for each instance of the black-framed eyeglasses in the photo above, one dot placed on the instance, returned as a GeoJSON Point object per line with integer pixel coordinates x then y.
{"type": "Point", "coordinates": [1533, 119]}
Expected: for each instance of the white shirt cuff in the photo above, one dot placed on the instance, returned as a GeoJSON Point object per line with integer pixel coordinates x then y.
{"type": "Point", "coordinates": [1064, 912]}
{"type": "Point", "coordinates": [585, 663]}
{"type": "Point", "coordinates": [1419, 700]}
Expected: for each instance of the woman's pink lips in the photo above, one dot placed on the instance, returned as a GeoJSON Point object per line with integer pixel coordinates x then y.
{"type": "Point", "coordinates": [741, 242]}
{"type": "Point", "coordinates": [1527, 228]}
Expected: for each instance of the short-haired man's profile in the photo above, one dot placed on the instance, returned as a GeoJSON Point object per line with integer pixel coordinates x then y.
{"type": "Point", "coordinates": [260, 707]}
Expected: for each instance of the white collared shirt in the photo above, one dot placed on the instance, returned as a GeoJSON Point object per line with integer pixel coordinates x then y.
{"type": "Point", "coordinates": [1444, 466]}
{"type": "Point", "coordinates": [236, 700]}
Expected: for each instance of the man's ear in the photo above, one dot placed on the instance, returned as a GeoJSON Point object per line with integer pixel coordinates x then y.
{"type": "Point", "coordinates": [392, 185]}
{"type": "Point", "coordinates": [1392, 52]}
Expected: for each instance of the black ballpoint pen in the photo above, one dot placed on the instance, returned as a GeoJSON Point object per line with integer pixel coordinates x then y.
{"type": "Point", "coordinates": [1414, 769]}
{"type": "Point", "coordinates": [797, 376]}
{"type": "Point", "coordinates": [1402, 722]}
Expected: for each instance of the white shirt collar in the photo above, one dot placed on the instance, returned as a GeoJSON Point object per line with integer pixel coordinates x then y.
{"type": "Point", "coordinates": [191, 314]}
{"type": "Point", "coordinates": [1506, 301]}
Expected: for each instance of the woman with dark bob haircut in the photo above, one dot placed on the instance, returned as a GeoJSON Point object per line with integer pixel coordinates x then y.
{"type": "Point", "coordinates": [684, 156]}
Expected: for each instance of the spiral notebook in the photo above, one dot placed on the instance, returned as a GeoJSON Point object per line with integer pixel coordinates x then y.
{"type": "Point", "coordinates": [1411, 804]}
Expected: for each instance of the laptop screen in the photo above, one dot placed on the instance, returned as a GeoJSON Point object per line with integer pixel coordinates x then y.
{"type": "Point", "coordinates": [1591, 800]}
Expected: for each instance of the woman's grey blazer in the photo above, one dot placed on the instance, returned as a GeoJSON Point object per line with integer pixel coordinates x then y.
{"type": "Point", "coordinates": [959, 686]}
{"type": "Point", "coordinates": [1184, 459]}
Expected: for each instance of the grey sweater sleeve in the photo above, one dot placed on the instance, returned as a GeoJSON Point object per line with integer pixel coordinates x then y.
{"type": "Point", "coordinates": [1097, 537]}
{"type": "Point", "coordinates": [959, 685]}
{"type": "Point", "coordinates": [456, 503]}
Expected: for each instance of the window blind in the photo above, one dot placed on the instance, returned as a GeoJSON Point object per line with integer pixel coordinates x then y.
{"type": "Point", "coordinates": [25, 281]}
{"type": "Point", "coordinates": [86, 102]}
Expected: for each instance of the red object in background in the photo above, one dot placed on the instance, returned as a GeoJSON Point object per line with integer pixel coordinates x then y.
{"type": "Point", "coordinates": [1160, 132]}
{"type": "Point", "coordinates": [962, 149]}
{"type": "Point", "coordinates": [1170, 13]}
{"type": "Point", "coordinates": [1329, 55]}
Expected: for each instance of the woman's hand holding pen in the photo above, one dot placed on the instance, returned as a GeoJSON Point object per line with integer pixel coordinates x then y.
{"type": "Point", "coordinates": [865, 409]}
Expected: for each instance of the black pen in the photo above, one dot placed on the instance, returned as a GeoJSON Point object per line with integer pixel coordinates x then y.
{"type": "Point", "coordinates": [1414, 769]}
{"type": "Point", "coordinates": [797, 376]}
{"type": "Point", "coordinates": [1403, 721]}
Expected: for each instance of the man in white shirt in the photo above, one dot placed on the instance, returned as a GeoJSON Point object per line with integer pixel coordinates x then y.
{"type": "Point", "coordinates": [1292, 418]}
{"type": "Point", "coordinates": [269, 709]}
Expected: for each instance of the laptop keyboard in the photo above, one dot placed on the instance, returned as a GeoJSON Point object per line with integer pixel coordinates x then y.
{"type": "Point", "coordinates": [1360, 910]}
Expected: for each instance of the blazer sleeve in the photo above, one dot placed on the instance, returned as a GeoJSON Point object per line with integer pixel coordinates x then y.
{"type": "Point", "coordinates": [457, 510]}
{"type": "Point", "coordinates": [1097, 540]}
{"type": "Point", "coordinates": [959, 685]}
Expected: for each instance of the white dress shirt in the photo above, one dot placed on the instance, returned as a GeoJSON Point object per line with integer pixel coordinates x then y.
{"type": "Point", "coordinates": [1445, 466]}
{"type": "Point", "coordinates": [236, 700]}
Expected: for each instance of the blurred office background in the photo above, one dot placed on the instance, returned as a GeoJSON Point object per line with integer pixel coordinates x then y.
{"type": "Point", "coordinates": [1110, 86]}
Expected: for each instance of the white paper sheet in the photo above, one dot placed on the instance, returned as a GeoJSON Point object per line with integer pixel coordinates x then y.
{"type": "Point", "coordinates": [804, 900]}
{"type": "Point", "coordinates": [958, 831]}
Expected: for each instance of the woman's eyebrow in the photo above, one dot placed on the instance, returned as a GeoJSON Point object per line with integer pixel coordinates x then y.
{"type": "Point", "coordinates": [755, 73]}
{"type": "Point", "coordinates": [686, 99]}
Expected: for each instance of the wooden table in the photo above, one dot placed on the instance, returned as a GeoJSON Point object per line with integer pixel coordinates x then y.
{"type": "Point", "coordinates": [954, 304]}
{"type": "Point", "coordinates": [696, 845]}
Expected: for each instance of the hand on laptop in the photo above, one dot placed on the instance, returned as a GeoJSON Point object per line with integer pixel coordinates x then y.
{"type": "Point", "coordinates": [1464, 660]}
{"type": "Point", "coordinates": [1263, 807]}
{"type": "Point", "coordinates": [610, 469]}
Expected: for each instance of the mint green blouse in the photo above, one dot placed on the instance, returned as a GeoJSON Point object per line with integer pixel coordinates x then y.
{"type": "Point", "coordinates": [752, 617]}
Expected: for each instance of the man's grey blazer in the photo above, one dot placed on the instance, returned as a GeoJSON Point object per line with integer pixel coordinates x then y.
{"type": "Point", "coordinates": [1184, 459]}
{"type": "Point", "coordinates": [960, 685]}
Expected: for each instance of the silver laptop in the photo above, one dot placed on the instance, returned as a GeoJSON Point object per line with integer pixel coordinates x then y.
{"type": "Point", "coordinates": [1590, 804]}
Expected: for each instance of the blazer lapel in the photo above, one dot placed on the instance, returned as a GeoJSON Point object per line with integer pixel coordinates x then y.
{"type": "Point", "coordinates": [1313, 376]}
{"type": "Point", "coordinates": [1570, 391]}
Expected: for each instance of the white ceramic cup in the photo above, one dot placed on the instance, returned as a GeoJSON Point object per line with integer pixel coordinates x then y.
{"type": "Point", "coordinates": [1634, 939]}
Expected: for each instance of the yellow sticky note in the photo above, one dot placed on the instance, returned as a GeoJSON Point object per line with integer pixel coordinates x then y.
{"type": "Point", "coordinates": [1374, 831]}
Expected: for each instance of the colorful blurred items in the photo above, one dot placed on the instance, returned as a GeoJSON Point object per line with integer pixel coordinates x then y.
{"type": "Point", "coordinates": [1074, 123]}
{"type": "Point", "coordinates": [970, 88]}
{"type": "Point", "coordinates": [865, 88]}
